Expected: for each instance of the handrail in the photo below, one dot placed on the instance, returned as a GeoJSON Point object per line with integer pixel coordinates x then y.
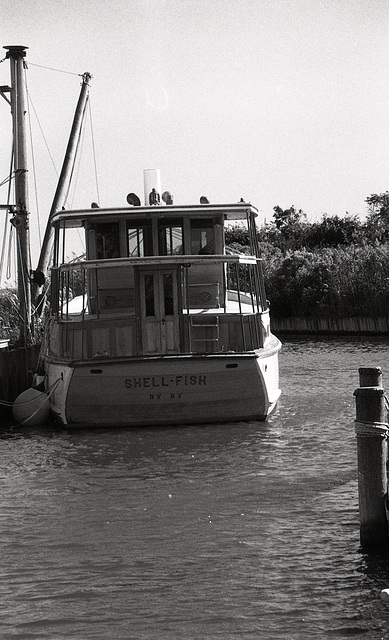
{"type": "Point", "coordinates": [158, 260]}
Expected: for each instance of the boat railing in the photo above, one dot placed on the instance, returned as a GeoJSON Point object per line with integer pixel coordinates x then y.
{"type": "Point", "coordinates": [97, 312]}
{"type": "Point", "coordinates": [119, 337]}
{"type": "Point", "coordinates": [101, 287]}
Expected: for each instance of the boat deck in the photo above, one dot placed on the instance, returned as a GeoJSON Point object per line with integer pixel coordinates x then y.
{"type": "Point", "coordinates": [75, 310]}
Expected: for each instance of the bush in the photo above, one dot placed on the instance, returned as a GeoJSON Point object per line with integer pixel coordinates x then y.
{"type": "Point", "coordinates": [9, 315]}
{"type": "Point", "coordinates": [336, 278]}
{"type": "Point", "coordinates": [337, 282]}
{"type": "Point", "coordinates": [11, 321]}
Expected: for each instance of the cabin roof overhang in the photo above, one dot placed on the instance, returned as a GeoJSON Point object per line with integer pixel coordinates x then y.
{"type": "Point", "coordinates": [78, 217]}
{"type": "Point", "coordinates": [162, 261]}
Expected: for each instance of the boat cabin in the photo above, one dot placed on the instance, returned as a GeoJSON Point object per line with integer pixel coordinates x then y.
{"type": "Point", "coordinates": [155, 280]}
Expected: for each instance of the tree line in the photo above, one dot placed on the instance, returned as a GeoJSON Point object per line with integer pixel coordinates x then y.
{"type": "Point", "coordinates": [336, 267]}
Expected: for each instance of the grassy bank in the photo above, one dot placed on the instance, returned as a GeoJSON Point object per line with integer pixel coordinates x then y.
{"type": "Point", "coordinates": [9, 316]}
{"type": "Point", "coordinates": [10, 320]}
{"type": "Point", "coordinates": [333, 269]}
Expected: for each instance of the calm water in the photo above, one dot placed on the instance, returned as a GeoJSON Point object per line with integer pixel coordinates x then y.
{"type": "Point", "coordinates": [245, 530]}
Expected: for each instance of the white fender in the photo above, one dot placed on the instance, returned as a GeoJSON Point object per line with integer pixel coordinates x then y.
{"type": "Point", "coordinates": [31, 408]}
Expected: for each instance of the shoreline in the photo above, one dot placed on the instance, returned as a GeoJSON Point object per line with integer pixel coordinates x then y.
{"type": "Point", "coordinates": [378, 326]}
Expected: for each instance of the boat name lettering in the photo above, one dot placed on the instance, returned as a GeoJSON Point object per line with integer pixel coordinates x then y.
{"type": "Point", "coordinates": [165, 381]}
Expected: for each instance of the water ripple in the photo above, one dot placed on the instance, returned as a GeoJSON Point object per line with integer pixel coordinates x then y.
{"type": "Point", "coordinates": [232, 531]}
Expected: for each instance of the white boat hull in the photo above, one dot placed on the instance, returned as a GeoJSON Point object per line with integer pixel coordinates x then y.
{"type": "Point", "coordinates": [168, 390]}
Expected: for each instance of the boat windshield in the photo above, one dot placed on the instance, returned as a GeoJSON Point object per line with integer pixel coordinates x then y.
{"type": "Point", "coordinates": [107, 240]}
{"type": "Point", "coordinates": [202, 236]}
{"type": "Point", "coordinates": [139, 239]}
{"type": "Point", "coordinates": [171, 238]}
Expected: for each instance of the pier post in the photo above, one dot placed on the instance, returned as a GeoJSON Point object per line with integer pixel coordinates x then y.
{"type": "Point", "coordinates": [371, 428]}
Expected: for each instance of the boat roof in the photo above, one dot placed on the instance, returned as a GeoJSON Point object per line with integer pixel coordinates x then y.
{"type": "Point", "coordinates": [77, 217]}
{"type": "Point", "coordinates": [184, 260]}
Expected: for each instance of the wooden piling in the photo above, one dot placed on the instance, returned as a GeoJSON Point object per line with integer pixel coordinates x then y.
{"type": "Point", "coordinates": [371, 428]}
{"type": "Point", "coordinates": [16, 368]}
{"type": "Point", "coordinates": [370, 376]}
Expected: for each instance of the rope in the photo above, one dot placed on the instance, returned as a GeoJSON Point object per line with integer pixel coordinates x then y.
{"type": "Point", "coordinates": [49, 393]}
{"type": "Point", "coordinates": [371, 429]}
{"type": "Point", "coordinates": [46, 399]}
{"type": "Point", "coordinates": [386, 400]}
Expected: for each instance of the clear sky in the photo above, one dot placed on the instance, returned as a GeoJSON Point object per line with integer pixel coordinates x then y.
{"type": "Point", "coordinates": [280, 102]}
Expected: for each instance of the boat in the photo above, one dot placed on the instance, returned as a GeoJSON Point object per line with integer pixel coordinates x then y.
{"type": "Point", "coordinates": [159, 322]}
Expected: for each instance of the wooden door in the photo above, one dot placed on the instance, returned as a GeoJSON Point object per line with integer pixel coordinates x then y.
{"type": "Point", "coordinates": [159, 311]}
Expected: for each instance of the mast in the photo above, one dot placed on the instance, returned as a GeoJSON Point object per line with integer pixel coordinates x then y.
{"type": "Point", "coordinates": [16, 55]}
{"type": "Point", "coordinates": [61, 191]}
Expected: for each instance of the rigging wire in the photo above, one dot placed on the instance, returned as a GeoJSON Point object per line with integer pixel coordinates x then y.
{"type": "Point", "coordinates": [38, 310]}
{"type": "Point", "coordinates": [44, 137]}
{"type": "Point", "coordinates": [77, 160]}
{"type": "Point", "coordinates": [6, 222]}
{"type": "Point", "coordinates": [27, 267]}
{"type": "Point", "coordinates": [28, 328]}
{"type": "Point", "coordinates": [13, 239]}
{"type": "Point", "coordinates": [77, 167]}
{"type": "Point", "coordinates": [7, 179]}
{"type": "Point", "coordinates": [23, 270]}
{"type": "Point", "coordinates": [11, 242]}
{"type": "Point", "coordinates": [3, 247]}
{"type": "Point", "coordinates": [41, 66]}
{"type": "Point", "coordinates": [94, 151]}
{"type": "Point", "coordinates": [76, 153]}
{"type": "Point", "coordinates": [33, 162]}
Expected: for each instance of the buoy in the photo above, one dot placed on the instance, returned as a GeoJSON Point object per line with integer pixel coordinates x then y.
{"type": "Point", "coordinates": [31, 408]}
{"type": "Point", "coordinates": [385, 595]}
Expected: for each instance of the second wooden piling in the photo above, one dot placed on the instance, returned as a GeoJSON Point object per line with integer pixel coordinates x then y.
{"type": "Point", "coordinates": [371, 429]}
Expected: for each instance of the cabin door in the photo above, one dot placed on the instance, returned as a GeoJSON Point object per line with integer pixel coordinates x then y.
{"type": "Point", "coordinates": [159, 311]}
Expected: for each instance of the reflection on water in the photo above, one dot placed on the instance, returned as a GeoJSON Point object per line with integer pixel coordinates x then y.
{"type": "Point", "coordinates": [245, 530]}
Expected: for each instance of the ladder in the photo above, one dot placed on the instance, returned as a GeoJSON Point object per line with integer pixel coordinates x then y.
{"type": "Point", "coordinates": [196, 329]}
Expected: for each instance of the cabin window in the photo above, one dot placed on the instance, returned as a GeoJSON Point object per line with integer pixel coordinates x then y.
{"type": "Point", "coordinates": [171, 238]}
{"type": "Point", "coordinates": [139, 240]}
{"type": "Point", "coordinates": [202, 237]}
{"type": "Point", "coordinates": [149, 295]}
{"type": "Point", "coordinates": [69, 245]}
{"type": "Point", "coordinates": [107, 240]}
{"type": "Point", "coordinates": [168, 294]}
